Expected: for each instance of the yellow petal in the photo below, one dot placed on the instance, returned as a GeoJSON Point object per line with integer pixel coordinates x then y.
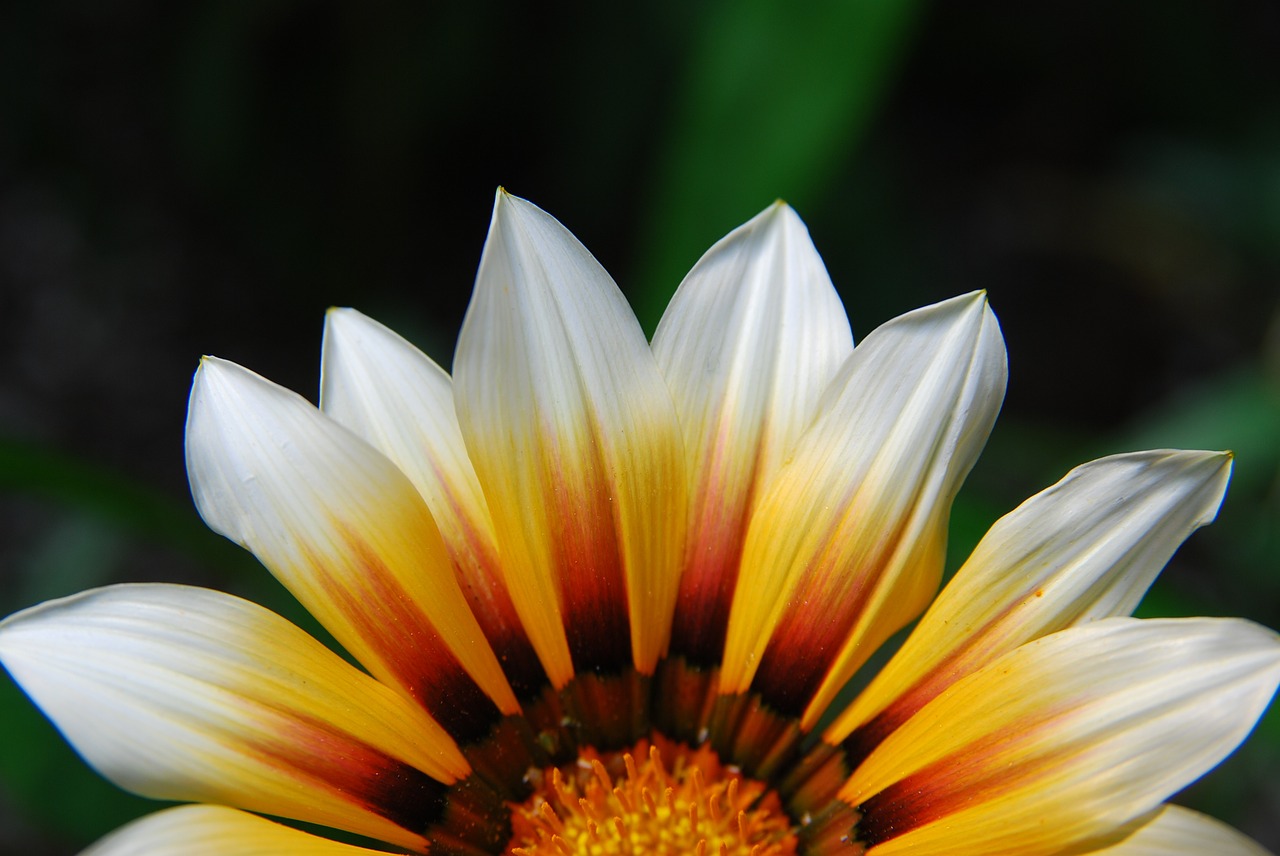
{"type": "Point", "coordinates": [399, 401]}
{"type": "Point", "coordinates": [1084, 549]}
{"type": "Point", "coordinates": [847, 544]}
{"type": "Point", "coordinates": [751, 338]}
{"type": "Point", "coordinates": [1067, 739]}
{"type": "Point", "coordinates": [573, 434]}
{"type": "Point", "coordinates": [182, 693]}
{"type": "Point", "coordinates": [348, 534]}
{"type": "Point", "coordinates": [208, 830]}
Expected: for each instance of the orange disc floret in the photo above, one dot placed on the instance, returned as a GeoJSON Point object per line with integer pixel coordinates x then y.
{"type": "Point", "coordinates": [657, 798]}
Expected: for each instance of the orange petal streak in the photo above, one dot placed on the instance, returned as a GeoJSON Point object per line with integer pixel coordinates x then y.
{"type": "Point", "coordinates": [355, 772]}
{"type": "Point", "coordinates": [413, 651]}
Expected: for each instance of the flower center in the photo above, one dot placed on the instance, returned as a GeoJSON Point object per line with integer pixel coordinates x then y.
{"type": "Point", "coordinates": [657, 798]}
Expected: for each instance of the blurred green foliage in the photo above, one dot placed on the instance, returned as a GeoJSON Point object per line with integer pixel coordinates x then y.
{"type": "Point", "coordinates": [208, 177]}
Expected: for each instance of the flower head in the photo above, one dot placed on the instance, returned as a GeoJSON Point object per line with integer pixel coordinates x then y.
{"type": "Point", "coordinates": [603, 594]}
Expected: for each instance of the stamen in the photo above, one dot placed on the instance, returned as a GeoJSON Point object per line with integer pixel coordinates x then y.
{"type": "Point", "coordinates": [611, 804]}
{"type": "Point", "coordinates": [624, 798]}
{"type": "Point", "coordinates": [602, 774]}
{"type": "Point", "coordinates": [549, 815]}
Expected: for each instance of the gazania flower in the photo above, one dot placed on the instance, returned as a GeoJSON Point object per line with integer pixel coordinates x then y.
{"type": "Point", "coordinates": [603, 596]}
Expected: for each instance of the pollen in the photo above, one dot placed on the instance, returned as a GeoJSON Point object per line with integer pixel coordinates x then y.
{"type": "Point", "coordinates": [657, 799]}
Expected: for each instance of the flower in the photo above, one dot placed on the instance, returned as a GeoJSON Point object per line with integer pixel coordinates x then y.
{"type": "Point", "coordinates": [603, 593]}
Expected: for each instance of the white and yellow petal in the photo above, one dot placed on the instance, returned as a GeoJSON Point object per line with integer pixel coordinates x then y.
{"type": "Point", "coordinates": [209, 830]}
{"type": "Point", "coordinates": [398, 400]}
{"type": "Point", "coordinates": [1084, 549]}
{"type": "Point", "coordinates": [749, 342]}
{"type": "Point", "coordinates": [350, 537]}
{"type": "Point", "coordinates": [1177, 831]}
{"type": "Point", "coordinates": [215, 831]}
{"type": "Point", "coordinates": [182, 693]}
{"type": "Point", "coordinates": [575, 440]}
{"type": "Point", "coordinates": [847, 544]}
{"type": "Point", "coordinates": [1066, 739]}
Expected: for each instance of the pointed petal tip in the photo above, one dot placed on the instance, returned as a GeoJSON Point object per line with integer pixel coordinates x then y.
{"type": "Point", "coordinates": [1219, 459]}
{"type": "Point", "coordinates": [215, 378]}
{"type": "Point", "coordinates": [780, 209]}
{"type": "Point", "coordinates": [215, 367]}
{"type": "Point", "coordinates": [504, 201]}
{"type": "Point", "coordinates": [1225, 460]}
{"type": "Point", "coordinates": [341, 319]}
{"type": "Point", "coordinates": [972, 305]}
{"type": "Point", "coordinates": [779, 215]}
{"type": "Point", "coordinates": [208, 366]}
{"type": "Point", "coordinates": [514, 223]}
{"type": "Point", "coordinates": [977, 302]}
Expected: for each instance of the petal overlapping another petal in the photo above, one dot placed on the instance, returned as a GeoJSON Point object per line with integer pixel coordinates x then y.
{"type": "Point", "coordinates": [575, 439]}
{"type": "Point", "coordinates": [399, 401]}
{"type": "Point", "coordinates": [505, 553]}
{"type": "Point", "coordinates": [1066, 739]}
{"type": "Point", "coordinates": [1084, 549]}
{"type": "Point", "coordinates": [1176, 830]}
{"type": "Point", "coordinates": [209, 830]}
{"type": "Point", "coordinates": [198, 695]}
{"type": "Point", "coordinates": [348, 535]}
{"type": "Point", "coordinates": [847, 544]}
{"type": "Point", "coordinates": [749, 342]}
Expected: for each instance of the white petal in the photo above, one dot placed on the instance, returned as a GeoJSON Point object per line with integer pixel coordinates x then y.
{"type": "Point", "coordinates": [1068, 738]}
{"type": "Point", "coordinates": [749, 342]}
{"type": "Point", "coordinates": [182, 693]}
{"type": "Point", "coordinates": [207, 830]}
{"type": "Point", "coordinates": [574, 436]}
{"type": "Point", "coordinates": [399, 401]}
{"type": "Point", "coordinates": [347, 533]}
{"type": "Point", "coordinates": [1084, 549]}
{"type": "Point", "coordinates": [1177, 830]}
{"type": "Point", "coordinates": [847, 544]}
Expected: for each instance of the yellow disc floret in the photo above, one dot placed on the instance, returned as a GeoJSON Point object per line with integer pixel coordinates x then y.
{"type": "Point", "coordinates": [673, 800]}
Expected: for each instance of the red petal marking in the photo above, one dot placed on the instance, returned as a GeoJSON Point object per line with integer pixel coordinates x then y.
{"type": "Point", "coordinates": [586, 550]}
{"type": "Point", "coordinates": [314, 752]}
{"type": "Point", "coordinates": [967, 657]}
{"type": "Point", "coordinates": [702, 609]}
{"type": "Point", "coordinates": [813, 784]}
{"type": "Point", "coordinates": [713, 556]}
{"type": "Point", "coordinates": [686, 696]}
{"type": "Point", "coordinates": [753, 736]}
{"type": "Point", "coordinates": [394, 625]}
{"type": "Point", "coordinates": [806, 642]}
{"type": "Point", "coordinates": [712, 559]}
{"type": "Point", "coordinates": [968, 777]}
{"type": "Point", "coordinates": [477, 569]}
{"type": "Point", "coordinates": [820, 614]}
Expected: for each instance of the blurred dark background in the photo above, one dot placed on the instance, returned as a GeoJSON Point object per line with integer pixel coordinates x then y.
{"type": "Point", "coordinates": [180, 179]}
